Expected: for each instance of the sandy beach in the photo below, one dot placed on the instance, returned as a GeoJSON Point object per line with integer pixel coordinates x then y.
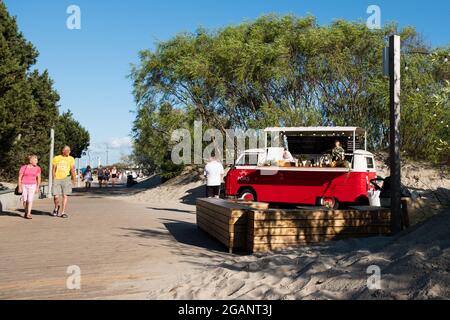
{"type": "Point", "coordinates": [414, 265]}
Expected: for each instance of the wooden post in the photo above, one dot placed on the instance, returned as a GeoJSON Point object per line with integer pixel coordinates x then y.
{"type": "Point", "coordinates": [406, 202]}
{"type": "Point", "coordinates": [394, 79]}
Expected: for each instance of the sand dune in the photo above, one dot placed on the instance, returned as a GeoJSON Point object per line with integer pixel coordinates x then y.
{"type": "Point", "coordinates": [183, 189]}
{"type": "Point", "coordinates": [414, 265]}
{"type": "Point", "coordinates": [417, 175]}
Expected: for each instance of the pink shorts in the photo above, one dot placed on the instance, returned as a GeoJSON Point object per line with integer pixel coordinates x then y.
{"type": "Point", "coordinates": [28, 192]}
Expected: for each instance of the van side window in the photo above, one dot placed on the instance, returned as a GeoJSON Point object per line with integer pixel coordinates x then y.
{"type": "Point", "coordinates": [370, 163]}
{"type": "Point", "coordinates": [248, 160]}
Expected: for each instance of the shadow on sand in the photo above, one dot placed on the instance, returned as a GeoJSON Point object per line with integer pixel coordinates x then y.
{"type": "Point", "coordinates": [172, 210]}
{"type": "Point", "coordinates": [183, 232]}
{"type": "Point", "coordinates": [190, 234]}
{"type": "Point", "coordinates": [194, 194]}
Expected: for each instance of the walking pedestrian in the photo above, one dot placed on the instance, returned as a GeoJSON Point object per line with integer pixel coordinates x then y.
{"type": "Point", "coordinates": [114, 175]}
{"type": "Point", "coordinates": [107, 176]}
{"type": "Point", "coordinates": [87, 177]}
{"type": "Point", "coordinates": [29, 183]}
{"type": "Point", "coordinates": [100, 176]}
{"type": "Point", "coordinates": [64, 177]}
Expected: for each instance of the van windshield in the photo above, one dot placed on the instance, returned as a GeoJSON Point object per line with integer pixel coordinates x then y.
{"type": "Point", "coordinates": [249, 159]}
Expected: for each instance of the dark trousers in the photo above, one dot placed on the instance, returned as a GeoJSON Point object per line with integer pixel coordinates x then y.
{"type": "Point", "coordinates": [212, 191]}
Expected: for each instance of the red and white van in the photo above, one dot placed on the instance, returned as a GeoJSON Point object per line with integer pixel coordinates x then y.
{"type": "Point", "coordinates": [255, 177]}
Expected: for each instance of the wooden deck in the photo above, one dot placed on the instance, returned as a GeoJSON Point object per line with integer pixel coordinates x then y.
{"type": "Point", "coordinates": [124, 249]}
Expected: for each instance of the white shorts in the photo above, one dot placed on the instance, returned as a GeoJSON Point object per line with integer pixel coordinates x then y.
{"type": "Point", "coordinates": [28, 192]}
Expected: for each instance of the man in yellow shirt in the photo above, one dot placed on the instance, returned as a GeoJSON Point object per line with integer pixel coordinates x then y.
{"type": "Point", "coordinates": [64, 177]}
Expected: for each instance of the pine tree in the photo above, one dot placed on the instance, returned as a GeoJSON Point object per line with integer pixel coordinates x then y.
{"type": "Point", "coordinates": [29, 105]}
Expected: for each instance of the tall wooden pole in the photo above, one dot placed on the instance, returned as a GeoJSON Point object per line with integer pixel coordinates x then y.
{"type": "Point", "coordinates": [395, 77]}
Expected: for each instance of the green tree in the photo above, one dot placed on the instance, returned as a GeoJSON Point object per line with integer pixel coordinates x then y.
{"type": "Point", "coordinates": [152, 131]}
{"type": "Point", "coordinates": [289, 71]}
{"type": "Point", "coordinates": [28, 104]}
{"type": "Point", "coordinates": [16, 57]}
{"type": "Point", "coordinates": [69, 132]}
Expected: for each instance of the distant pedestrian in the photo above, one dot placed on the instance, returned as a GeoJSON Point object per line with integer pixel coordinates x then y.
{"type": "Point", "coordinates": [87, 178]}
{"type": "Point", "coordinates": [100, 176]}
{"type": "Point", "coordinates": [64, 177]}
{"type": "Point", "coordinates": [29, 182]}
{"type": "Point", "coordinates": [114, 176]}
{"type": "Point", "coordinates": [107, 176]}
{"type": "Point", "coordinates": [214, 173]}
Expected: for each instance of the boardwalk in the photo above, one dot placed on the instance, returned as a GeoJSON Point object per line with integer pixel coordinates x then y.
{"type": "Point", "coordinates": [124, 249]}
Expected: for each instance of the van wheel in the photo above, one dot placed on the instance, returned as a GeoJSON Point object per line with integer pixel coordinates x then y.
{"type": "Point", "coordinates": [329, 202]}
{"type": "Point", "coordinates": [247, 195]}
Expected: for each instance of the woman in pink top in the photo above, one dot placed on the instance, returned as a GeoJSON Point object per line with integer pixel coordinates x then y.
{"type": "Point", "coordinates": [29, 181]}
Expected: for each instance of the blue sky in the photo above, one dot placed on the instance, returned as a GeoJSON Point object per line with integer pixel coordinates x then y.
{"type": "Point", "coordinates": [89, 66]}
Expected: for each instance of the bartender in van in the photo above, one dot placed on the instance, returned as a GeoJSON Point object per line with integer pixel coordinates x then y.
{"type": "Point", "coordinates": [338, 153]}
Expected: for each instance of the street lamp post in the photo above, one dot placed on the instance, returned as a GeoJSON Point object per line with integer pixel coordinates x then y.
{"type": "Point", "coordinates": [88, 152]}
{"type": "Point", "coordinates": [107, 155]}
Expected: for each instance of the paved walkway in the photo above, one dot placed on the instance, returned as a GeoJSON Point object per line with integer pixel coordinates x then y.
{"type": "Point", "coordinates": [124, 249]}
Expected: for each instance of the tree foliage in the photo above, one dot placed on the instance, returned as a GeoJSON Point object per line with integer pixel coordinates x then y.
{"type": "Point", "coordinates": [289, 71]}
{"type": "Point", "coordinates": [152, 131]}
{"type": "Point", "coordinates": [69, 132]}
{"type": "Point", "coordinates": [28, 105]}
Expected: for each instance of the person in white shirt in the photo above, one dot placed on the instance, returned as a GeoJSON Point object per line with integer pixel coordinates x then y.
{"type": "Point", "coordinates": [214, 174]}
{"type": "Point", "coordinates": [287, 156]}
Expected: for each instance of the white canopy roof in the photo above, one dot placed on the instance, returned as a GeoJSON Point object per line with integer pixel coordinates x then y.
{"type": "Point", "coordinates": [339, 130]}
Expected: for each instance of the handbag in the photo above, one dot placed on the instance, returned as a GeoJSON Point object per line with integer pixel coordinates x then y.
{"type": "Point", "coordinates": [16, 190]}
